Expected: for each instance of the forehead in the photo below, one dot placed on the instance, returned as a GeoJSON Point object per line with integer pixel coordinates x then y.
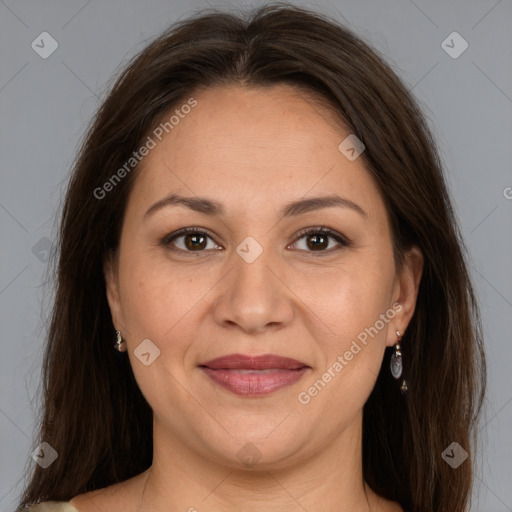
{"type": "Point", "coordinates": [267, 145]}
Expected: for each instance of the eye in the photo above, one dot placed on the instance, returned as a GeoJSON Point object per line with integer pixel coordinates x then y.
{"type": "Point", "coordinates": [317, 239]}
{"type": "Point", "coordinates": [194, 240]}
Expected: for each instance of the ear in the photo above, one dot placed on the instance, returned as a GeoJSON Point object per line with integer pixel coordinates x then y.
{"type": "Point", "coordinates": [405, 292]}
{"type": "Point", "coordinates": [110, 272]}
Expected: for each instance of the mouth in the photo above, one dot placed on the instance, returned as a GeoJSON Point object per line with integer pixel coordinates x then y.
{"type": "Point", "coordinates": [254, 375]}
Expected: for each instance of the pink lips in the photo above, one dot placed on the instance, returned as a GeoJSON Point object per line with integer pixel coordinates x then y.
{"type": "Point", "coordinates": [254, 375]}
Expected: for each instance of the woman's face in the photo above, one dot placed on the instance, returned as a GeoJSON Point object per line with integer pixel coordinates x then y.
{"type": "Point", "coordinates": [248, 281]}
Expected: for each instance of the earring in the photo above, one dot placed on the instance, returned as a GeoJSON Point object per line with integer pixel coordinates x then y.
{"type": "Point", "coordinates": [120, 345]}
{"type": "Point", "coordinates": [396, 364]}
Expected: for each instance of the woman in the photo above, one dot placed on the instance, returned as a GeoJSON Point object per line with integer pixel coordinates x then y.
{"type": "Point", "coordinates": [259, 224]}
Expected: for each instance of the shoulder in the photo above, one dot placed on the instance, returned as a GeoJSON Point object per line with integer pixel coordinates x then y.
{"type": "Point", "coordinates": [52, 506]}
{"type": "Point", "coordinates": [121, 496]}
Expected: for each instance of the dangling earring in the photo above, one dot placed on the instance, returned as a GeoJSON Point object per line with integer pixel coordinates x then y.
{"type": "Point", "coordinates": [396, 364]}
{"type": "Point", "coordinates": [120, 344]}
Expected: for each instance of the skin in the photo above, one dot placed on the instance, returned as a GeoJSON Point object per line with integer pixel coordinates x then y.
{"type": "Point", "coordinates": [254, 150]}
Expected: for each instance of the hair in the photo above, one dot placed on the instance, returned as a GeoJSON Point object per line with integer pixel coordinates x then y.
{"type": "Point", "coordinates": [94, 414]}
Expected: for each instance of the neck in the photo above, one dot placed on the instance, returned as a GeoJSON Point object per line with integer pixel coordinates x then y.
{"type": "Point", "coordinates": [181, 479]}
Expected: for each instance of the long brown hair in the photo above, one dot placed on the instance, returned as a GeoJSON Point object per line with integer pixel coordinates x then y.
{"type": "Point", "coordinates": [94, 414]}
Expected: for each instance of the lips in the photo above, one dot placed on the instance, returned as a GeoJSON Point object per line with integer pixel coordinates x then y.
{"type": "Point", "coordinates": [264, 362]}
{"type": "Point", "coordinates": [254, 375]}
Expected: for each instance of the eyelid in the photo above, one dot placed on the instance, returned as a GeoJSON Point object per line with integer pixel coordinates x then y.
{"type": "Point", "coordinates": [342, 240]}
{"type": "Point", "coordinates": [167, 239]}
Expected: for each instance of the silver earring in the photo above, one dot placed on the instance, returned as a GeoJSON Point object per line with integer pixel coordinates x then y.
{"type": "Point", "coordinates": [396, 364]}
{"type": "Point", "coordinates": [120, 345]}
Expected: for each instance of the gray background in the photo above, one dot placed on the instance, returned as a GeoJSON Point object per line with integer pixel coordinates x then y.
{"type": "Point", "coordinates": [46, 104]}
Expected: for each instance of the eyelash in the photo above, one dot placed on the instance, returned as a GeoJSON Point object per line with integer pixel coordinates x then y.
{"type": "Point", "coordinates": [343, 241]}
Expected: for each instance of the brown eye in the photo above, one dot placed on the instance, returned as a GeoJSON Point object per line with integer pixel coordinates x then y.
{"type": "Point", "coordinates": [194, 242]}
{"type": "Point", "coordinates": [318, 239]}
{"type": "Point", "coordinates": [188, 240]}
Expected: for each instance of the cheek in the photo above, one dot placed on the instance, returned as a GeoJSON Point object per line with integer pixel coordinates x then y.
{"type": "Point", "coordinates": [158, 304]}
{"type": "Point", "coordinates": [155, 297]}
{"type": "Point", "coordinates": [354, 300]}
{"type": "Point", "coordinates": [356, 307]}
{"type": "Point", "coordinates": [351, 298]}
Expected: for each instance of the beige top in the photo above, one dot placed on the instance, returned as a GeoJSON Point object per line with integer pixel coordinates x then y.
{"type": "Point", "coordinates": [53, 506]}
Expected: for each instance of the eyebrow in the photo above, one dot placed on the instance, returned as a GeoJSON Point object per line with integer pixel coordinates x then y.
{"type": "Point", "coordinates": [211, 207]}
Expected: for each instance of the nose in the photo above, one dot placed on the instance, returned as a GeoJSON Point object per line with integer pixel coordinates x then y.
{"type": "Point", "coordinates": [254, 296]}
